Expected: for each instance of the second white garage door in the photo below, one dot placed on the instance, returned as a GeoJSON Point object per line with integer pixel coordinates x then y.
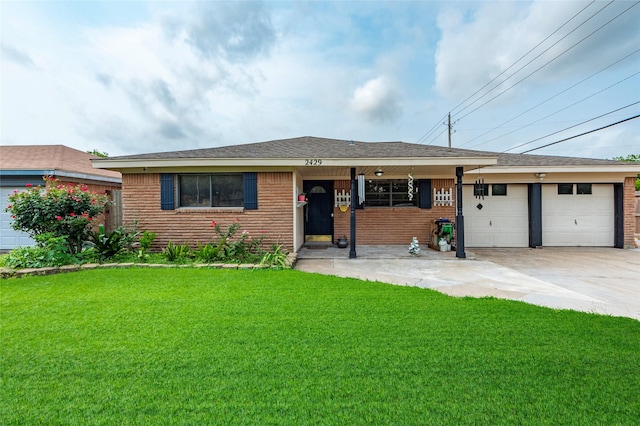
{"type": "Point", "coordinates": [577, 215]}
{"type": "Point", "coordinates": [497, 220]}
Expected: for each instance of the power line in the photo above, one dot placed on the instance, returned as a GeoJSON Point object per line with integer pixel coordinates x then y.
{"type": "Point", "coordinates": [552, 60]}
{"type": "Point", "coordinates": [542, 103]}
{"type": "Point", "coordinates": [582, 134]}
{"type": "Point", "coordinates": [435, 126]}
{"type": "Point", "coordinates": [438, 135]}
{"type": "Point", "coordinates": [530, 50]}
{"type": "Point", "coordinates": [430, 131]}
{"type": "Point", "coordinates": [570, 127]}
{"type": "Point", "coordinates": [565, 108]}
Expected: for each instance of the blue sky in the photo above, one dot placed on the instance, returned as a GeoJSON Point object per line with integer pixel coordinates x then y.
{"type": "Point", "coordinates": [134, 77]}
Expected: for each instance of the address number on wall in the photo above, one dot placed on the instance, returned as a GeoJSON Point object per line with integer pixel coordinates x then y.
{"type": "Point", "coordinates": [313, 162]}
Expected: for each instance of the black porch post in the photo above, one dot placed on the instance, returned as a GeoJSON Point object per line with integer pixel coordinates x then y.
{"type": "Point", "coordinates": [354, 200]}
{"type": "Point", "coordinates": [459, 217]}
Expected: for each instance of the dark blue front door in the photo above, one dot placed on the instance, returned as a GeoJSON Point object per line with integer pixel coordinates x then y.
{"type": "Point", "coordinates": [318, 225]}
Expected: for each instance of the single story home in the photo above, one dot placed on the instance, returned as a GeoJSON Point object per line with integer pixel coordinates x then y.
{"type": "Point", "coordinates": [28, 164]}
{"type": "Point", "coordinates": [299, 190]}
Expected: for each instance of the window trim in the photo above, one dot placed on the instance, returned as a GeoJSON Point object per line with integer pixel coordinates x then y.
{"type": "Point", "coordinates": [588, 192]}
{"type": "Point", "coordinates": [506, 189]}
{"type": "Point", "coordinates": [564, 193]}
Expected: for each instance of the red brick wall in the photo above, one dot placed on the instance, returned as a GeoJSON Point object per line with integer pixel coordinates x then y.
{"type": "Point", "coordinates": [392, 225]}
{"type": "Point", "coordinates": [629, 210]}
{"type": "Point", "coordinates": [273, 219]}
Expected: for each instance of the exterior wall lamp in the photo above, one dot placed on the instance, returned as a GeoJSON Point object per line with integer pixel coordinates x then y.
{"type": "Point", "coordinates": [378, 172]}
{"type": "Point", "coordinates": [541, 176]}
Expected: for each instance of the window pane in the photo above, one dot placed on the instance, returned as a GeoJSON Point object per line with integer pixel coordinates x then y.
{"type": "Point", "coordinates": [195, 191]}
{"type": "Point", "coordinates": [388, 193]}
{"type": "Point", "coordinates": [565, 189]}
{"type": "Point", "coordinates": [499, 189]}
{"type": "Point", "coordinates": [400, 194]}
{"type": "Point", "coordinates": [227, 190]}
{"type": "Point", "coordinates": [583, 188]}
{"type": "Point", "coordinates": [377, 193]}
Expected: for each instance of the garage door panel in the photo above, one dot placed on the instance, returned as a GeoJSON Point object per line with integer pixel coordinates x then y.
{"type": "Point", "coordinates": [578, 219]}
{"type": "Point", "coordinates": [502, 222]}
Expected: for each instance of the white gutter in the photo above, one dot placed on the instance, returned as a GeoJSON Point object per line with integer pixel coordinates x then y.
{"type": "Point", "coordinates": [622, 168]}
{"type": "Point", "coordinates": [106, 163]}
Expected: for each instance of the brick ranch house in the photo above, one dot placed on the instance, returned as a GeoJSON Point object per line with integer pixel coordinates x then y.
{"type": "Point", "coordinates": [377, 193]}
{"type": "Point", "coordinates": [28, 164]}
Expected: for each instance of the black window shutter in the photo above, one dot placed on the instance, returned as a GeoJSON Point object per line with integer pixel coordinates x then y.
{"type": "Point", "coordinates": [167, 192]}
{"type": "Point", "coordinates": [250, 183]}
{"type": "Point", "coordinates": [424, 191]}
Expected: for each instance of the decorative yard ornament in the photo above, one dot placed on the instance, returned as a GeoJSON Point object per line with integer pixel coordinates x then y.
{"type": "Point", "coordinates": [414, 247]}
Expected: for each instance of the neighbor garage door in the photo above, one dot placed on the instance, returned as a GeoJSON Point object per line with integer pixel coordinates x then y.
{"type": "Point", "coordinates": [9, 238]}
{"type": "Point", "coordinates": [501, 219]}
{"type": "Point", "coordinates": [577, 215]}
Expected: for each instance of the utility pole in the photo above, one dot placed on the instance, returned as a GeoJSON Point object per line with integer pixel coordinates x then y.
{"type": "Point", "coordinates": [449, 125]}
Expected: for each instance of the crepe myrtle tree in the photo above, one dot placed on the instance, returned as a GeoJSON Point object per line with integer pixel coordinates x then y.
{"type": "Point", "coordinates": [62, 210]}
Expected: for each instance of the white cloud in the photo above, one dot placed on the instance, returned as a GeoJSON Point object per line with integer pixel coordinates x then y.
{"type": "Point", "coordinates": [378, 100]}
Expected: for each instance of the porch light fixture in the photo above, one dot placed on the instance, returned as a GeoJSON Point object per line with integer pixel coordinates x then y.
{"type": "Point", "coordinates": [378, 172]}
{"type": "Point", "coordinates": [541, 176]}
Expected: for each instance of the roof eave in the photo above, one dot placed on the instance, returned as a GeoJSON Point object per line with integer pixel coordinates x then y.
{"type": "Point", "coordinates": [114, 164]}
{"type": "Point", "coordinates": [601, 168]}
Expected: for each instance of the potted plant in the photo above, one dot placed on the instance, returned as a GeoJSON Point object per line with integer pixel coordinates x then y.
{"type": "Point", "coordinates": [302, 197]}
{"type": "Point", "coordinates": [342, 242]}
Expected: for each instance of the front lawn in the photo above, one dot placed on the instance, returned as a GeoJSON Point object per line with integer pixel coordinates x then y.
{"type": "Point", "coordinates": [192, 346]}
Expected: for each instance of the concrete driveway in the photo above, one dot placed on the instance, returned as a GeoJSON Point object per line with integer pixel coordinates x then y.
{"type": "Point", "coordinates": [599, 280]}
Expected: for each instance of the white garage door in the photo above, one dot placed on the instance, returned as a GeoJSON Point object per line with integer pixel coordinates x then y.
{"type": "Point", "coordinates": [571, 216]}
{"type": "Point", "coordinates": [9, 238]}
{"type": "Point", "coordinates": [497, 220]}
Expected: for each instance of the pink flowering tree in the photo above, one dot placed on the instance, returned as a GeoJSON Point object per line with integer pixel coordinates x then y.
{"type": "Point", "coordinates": [62, 210]}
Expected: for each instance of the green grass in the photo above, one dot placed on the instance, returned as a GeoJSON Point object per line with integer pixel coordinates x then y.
{"type": "Point", "coordinates": [190, 346]}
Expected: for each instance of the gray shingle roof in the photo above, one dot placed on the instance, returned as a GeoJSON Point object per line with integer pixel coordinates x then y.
{"type": "Point", "coordinates": [314, 147]}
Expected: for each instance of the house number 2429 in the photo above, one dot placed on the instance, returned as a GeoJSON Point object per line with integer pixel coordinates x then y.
{"type": "Point", "coordinates": [313, 162]}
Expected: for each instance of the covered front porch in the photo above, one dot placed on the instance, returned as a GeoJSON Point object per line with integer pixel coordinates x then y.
{"type": "Point", "coordinates": [378, 209]}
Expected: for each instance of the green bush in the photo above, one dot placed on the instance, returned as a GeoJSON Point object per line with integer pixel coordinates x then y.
{"type": "Point", "coordinates": [176, 252]}
{"type": "Point", "coordinates": [276, 258]}
{"type": "Point", "coordinates": [208, 253]}
{"type": "Point", "coordinates": [59, 209]}
{"type": "Point", "coordinates": [49, 251]}
{"type": "Point", "coordinates": [107, 245]}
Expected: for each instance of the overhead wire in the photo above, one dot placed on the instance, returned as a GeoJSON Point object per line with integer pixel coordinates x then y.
{"type": "Point", "coordinates": [571, 127]}
{"type": "Point", "coordinates": [437, 136]}
{"type": "Point", "coordinates": [550, 61]}
{"type": "Point", "coordinates": [430, 131]}
{"type": "Point", "coordinates": [528, 52]}
{"type": "Point", "coordinates": [540, 104]}
{"type": "Point", "coordinates": [582, 134]}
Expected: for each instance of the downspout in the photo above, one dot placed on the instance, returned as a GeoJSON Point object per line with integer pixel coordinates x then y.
{"type": "Point", "coordinates": [459, 217]}
{"type": "Point", "coordinates": [354, 197]}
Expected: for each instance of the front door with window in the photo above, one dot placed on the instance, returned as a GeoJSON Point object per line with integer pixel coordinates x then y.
{"type": "Point", "coordinates": [318, 223]}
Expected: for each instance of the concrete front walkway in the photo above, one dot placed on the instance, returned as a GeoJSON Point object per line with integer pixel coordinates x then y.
{"type": "Point", "coordinates": [600, 280]}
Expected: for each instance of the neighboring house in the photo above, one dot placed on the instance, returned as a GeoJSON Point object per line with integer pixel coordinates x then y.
{"type": "Point", "coordinates": [23, 164]}
{"type": "Point", "coordinates": [509, 200]}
